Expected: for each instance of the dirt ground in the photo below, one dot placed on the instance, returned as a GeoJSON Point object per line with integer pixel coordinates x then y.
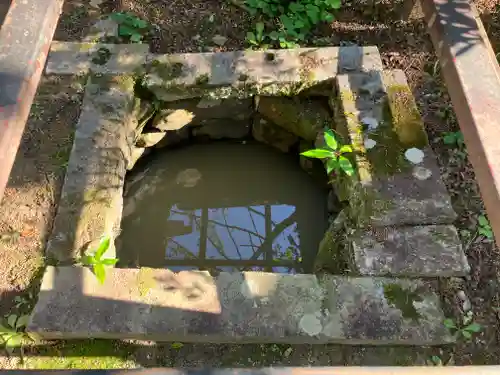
{"type": "Point", "coordinates": [28, 207]}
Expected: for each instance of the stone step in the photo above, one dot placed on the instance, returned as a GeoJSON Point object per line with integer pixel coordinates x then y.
{"type": "Point", "coordinates": [398, 178]}
{"type": "Point", "coordinates": [157, 304]}
{"type": "Point", "coordinates": [411, 251]}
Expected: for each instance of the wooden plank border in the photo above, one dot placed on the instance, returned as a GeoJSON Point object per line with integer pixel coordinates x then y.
{"type": "Point", "coordinates": [25, 39]}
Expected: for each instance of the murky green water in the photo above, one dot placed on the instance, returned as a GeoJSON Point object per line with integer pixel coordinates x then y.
{"type": "Point", "coordinates": [225, 207]}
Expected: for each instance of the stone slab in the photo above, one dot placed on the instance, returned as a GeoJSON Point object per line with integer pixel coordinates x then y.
{"type": "Point", "coordinates": [68, 58]}
{"type": "Point", "coordinates": [422, 251]}
{"type": "Point", "coordinates": [157, 304]}
{"type": "Point", "coordinates": [209, 109]}
{"type": "Point", "coordinates": [91, 199]}
{"type": "Point", "coordinates": [244, 73]}
{"type": "Point", "coordinates": [378, 115]}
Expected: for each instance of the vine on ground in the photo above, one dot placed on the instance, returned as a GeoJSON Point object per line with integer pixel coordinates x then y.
{"type": "Point", "coordinates": [288, 23]}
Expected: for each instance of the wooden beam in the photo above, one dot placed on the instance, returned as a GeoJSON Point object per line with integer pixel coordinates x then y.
{"type": "Point", "coordinates": [472, 76]}
{"type": "Point", "coordinates": [25, 38]}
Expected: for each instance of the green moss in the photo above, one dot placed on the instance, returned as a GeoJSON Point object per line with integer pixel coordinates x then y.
{"type": "Point", "coordinates": [403, 299]}
{"type": "Point", "coordinates": [145, 281]}
{"type": "Point", "coordinates": [202, 79]}
{"type": "Point", "coordinates": [167, 70]}
{"type": "Point", "coordinates": [101, 56]}
{"type": "Point", "coordinates": [407, 123]}
{"type": "Point", "coordinates": [82, 354]}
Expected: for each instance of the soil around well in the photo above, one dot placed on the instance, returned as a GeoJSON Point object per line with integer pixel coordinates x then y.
{"type": "Point", "coordinates": [30, 201]}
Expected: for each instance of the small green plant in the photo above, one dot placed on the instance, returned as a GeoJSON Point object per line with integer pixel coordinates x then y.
{"type": "Point", "coordinates": [453, 138]}
{"type": "Point", "coordinates": [256, 38]}
{"type": "Point", "coordinates": [292, 21]}
{"type": "Point", "coordinates": [97, 262]}
{"type": "Point", "coordinates": [466, 329]}
{"type": "Point", "coordinates": [12, 334]}
{"type": "Point", "coordinates": [484, 227]}
{"type": "Point", "coordinates": [334, 155]}
{"type": "Point", "coordinates": [130, 26]}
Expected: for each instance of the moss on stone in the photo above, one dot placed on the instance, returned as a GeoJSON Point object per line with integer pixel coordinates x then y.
{"type": "Point", "coordinates": [403, 299]}
{"type": "Point", "coordinates": [406, 119]}
{"type": "Point", "coordinates": [167, 70]}
{"type": "Point", "coordinates": [202, 79]}
{"type": "Point", "coordinates": [145, 281]}
{"type": "Point", "coordinates": [101, 56]}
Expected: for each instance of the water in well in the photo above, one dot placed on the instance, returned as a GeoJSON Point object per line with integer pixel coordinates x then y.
{"type": "Point", "coordinates": [222, 207]}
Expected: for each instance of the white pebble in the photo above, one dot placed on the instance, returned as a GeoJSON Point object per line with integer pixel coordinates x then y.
{"type": "Point", "coordinates": [371, 122]}
{"type": "Point", "coordinates": [414, 155]}
{"type": "Point", "coordinates": [421, 173]}
{"type": "Point", "coordinates": [369, 143]}
{"type": "Point", "coordinates": [310, 324]}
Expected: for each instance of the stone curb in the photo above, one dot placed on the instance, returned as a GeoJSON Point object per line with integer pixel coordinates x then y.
{"type": "Point", "coordinates": [158, 304]}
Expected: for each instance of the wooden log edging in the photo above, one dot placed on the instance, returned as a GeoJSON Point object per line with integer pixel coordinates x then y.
{"type": "Point", "coordinates": [25, 39]}
{"type": "Point", "coordinates": [472, 77]}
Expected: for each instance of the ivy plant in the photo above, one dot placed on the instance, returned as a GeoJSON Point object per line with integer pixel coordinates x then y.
{"type": "Point", "coordinates": [130, 26]}
{"type": "Point", "coordinates": [97, 261]}
{"type": "Point", "coordinates": [453, 138]}
{"type": "Point", "coordinates": [334, 154]}
{"type": "Point", "coordinates": [290, 22]}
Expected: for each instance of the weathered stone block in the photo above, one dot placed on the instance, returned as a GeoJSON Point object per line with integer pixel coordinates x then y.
{"type": "Point", "coordinates": [397, 179]}
{"type": "Point", "coordinates": [156, 304]}
{"type": "Point", "coordinates": [91, 199]}
{"type": "Point", "coordinates": [424, 251]}
{"type": "Point", "coordinates": [245, 73]}
{"type": "Point", "coordinates": [80, 58]}
{"type": "Point", "coordinates": [305, 119]}
{"type": "Point", "coordinates": [174, 138]}
{"type": "Point", "coordinates": [390, 356]}
{"type": "Point", "coordinates": [204, 109]}
{"type": "Point", "coordinates": [381, 310]}
{"type": "Point", "coordinates": [150, 139]}
{"type": "Point", "coordinates": [270, 134]}
{"type": "Point", "coordinates": [223, 129]}
{"type": "Point", "coordinates": [172, 119]}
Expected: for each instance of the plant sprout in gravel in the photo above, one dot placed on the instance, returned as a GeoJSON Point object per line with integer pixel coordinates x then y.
{"type": "Point", "coordinates": [130, 26]}
{"type": "Point", "coordinates": [334, 155]}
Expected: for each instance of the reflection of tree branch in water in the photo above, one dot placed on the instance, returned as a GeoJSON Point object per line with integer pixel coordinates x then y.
{"type": "Point", "coordinates": [278, 229]}
{"type": "Point", "coordinates": [181, 247]}
{"type": "Point", "coordinates": [228, 226]}
{"type": "Point", "coordinates": [220, 249]}
{"type": "Point", "coordinates": [230, 234]}
{"type": "Point", "coordinates": [261, 214]}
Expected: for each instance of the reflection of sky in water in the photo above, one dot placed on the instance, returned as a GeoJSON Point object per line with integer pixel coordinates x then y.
{"type": "Point", "coordinates": [233, 233]}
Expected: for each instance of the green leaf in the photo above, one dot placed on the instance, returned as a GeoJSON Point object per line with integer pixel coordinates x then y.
{"type": "Point", "coordinates": [22, 321]}
{"type": "Point", "coordinates": [331, 165]}
{"type": "Point", "coordinates": [437, 360]}
{"type": "Point", "coordinates": [449, 323]}
{"type": "Point", "coordinates": [330, 140]}
{"type": "Point", "coordinates": [318, 153]}
{"type": "Point", "coordinates": [449, 139]}
{"type": "Point", "coordinates": [100, 273]}
{"type": "Point", "coordinates": [335, 4]}
{"type": "Point", "coordinates": [313, 15]}
{"type": "Point", "coordinates": [136, 38]}
{"type": "Point", "coordinates": [259, 27]}
{"type": "Point", "coordinates": [87, 260]}
{"type": "Point", "coordinates": [109, 262]}
{"type": "Point", "coordinates": [119, 17]}
{"type": "Point", "coordinates": [474, 327]}
{"type": "Point", "coordinates": [483, 221]}
{"type": "Point", "coordinates": [14, 341]}
{"type": "Point", "coordinates": [125, 30]}
{"type": "Point", "coordinates": [346, 165]}
{"type": "Point", "coordinates": [345, 149]}
{"type": "Point", "coordinates": [176, 345]}
{"type": "Point", "coordinates": [139, 23]}
{"type": "Point", "coordinates": [103, 246]}
{"type": "Point", "coordinates": [466, 334]}
{"type": "Point", "coordinates": [5, 330]}
{"type": "Point", "coordinates": [328, 17]}
{"type": "Point", "coordinates": [274, 35]}
{"type": "Point", "coordinates": [11, 320]}
{"type": "Point", "coordinates": [251, 37]}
